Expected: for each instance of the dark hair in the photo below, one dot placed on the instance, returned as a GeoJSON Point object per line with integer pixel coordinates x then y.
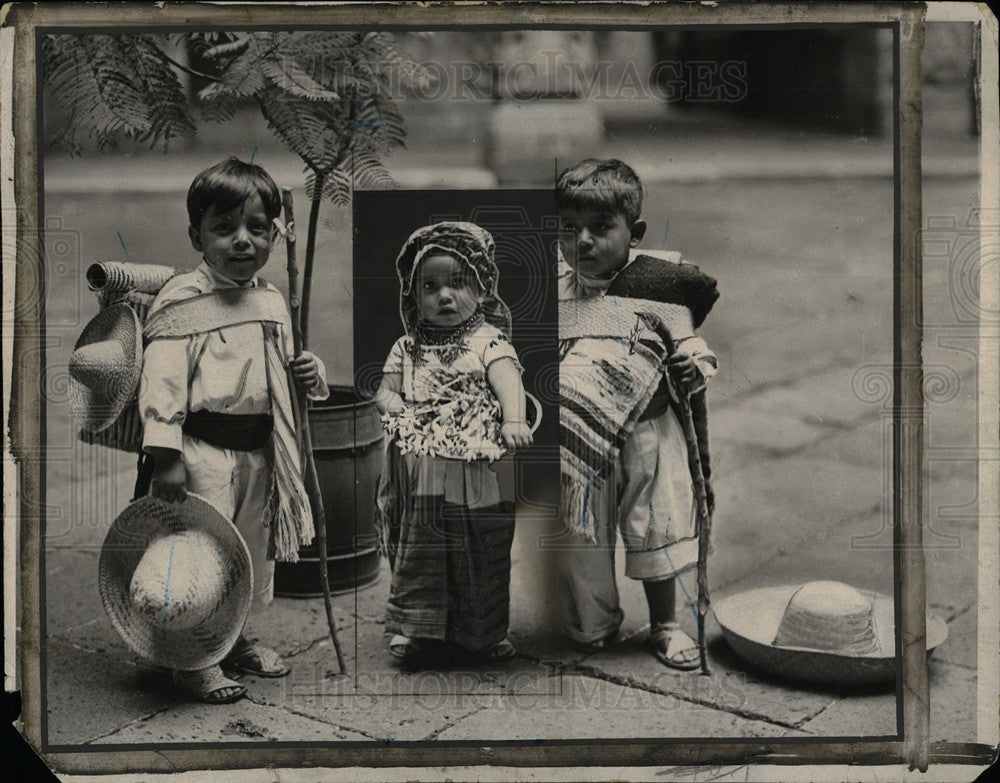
{"type": "Point", "coordinates": [606, 185]}
{"type": "Point", "coordinates": [226, 185]}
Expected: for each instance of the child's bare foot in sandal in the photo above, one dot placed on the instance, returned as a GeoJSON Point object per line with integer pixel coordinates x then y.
{"type": "Point", "coordinates": [673, 647]}
{"type": "Point", "coordinates": [597, 645]}
{"type": "Point", "coordinates": [407, 649]}
{"type": "Point", "coordinates": [209, 685]}
{"type": "Point", "coordinates": [501, 651]}
{"type": "Point", "coordinates": [255, 659]}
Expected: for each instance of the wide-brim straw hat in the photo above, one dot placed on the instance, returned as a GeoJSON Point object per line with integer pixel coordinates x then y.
{"type": "Point", "coordinates": [176, 581]}
{"type": "Point", "coordinates": [819, 632]}
{"type": "Point", "coordinates": [104, 367]}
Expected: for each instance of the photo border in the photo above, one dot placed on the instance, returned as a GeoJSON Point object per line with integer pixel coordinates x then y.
{"type": "Point", "coordinates": [28, 433]}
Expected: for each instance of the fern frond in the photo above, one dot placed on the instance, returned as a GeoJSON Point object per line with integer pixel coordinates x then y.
{"type": "Point", "coordinates": [338, 187]}
{"type": "Point", "coordinates": [243, 77]}
{"type": "Point", "coordinates": [168, 103]}
{"type": "Point", "coordinates": [326, 95]}
{"type": "Point", "coordinates": [218, 105]}
{"type": "Point", "coordinates": [193, 37]}
{"type": "Point", "coordinates": [241, 80]}
{"type": "Point", "coordinates": [368, 173]}
{"type": "Point", "coordinates": [385, 122]}
{"type": "Point", "coordinates": [224, 49]}
{"type": "Point", "coordinates": [289, 76]}
{"type": "Point", "coordinates": [115, 86]}
{"type": "Point", "coordinates": [383, 57]}
{"type": "Point", "coordinates": [347, 82]}
{"type": "Point", "coordinates": [316, 131]}
{"type": "Point", "coordinates": [330, 47]}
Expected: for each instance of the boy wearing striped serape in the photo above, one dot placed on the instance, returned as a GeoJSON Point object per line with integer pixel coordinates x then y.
{"type": "Point", "coordinates": [623, 454]}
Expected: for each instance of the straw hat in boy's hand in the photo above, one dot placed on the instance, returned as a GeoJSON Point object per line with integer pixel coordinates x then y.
{"type": "Point", "coordinates": [820, 632]}
{"type": "Point", "coordinates": [176, 581]}
{"type": "Point", "coordinates": [104, 367]}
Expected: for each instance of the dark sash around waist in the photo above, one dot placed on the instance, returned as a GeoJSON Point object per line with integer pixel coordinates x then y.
{"type": "Point", "coordinates": [239, 432]}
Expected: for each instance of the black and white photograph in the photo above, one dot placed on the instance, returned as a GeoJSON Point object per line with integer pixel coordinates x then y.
{"type": "Point", "coordinates": [481, 387]}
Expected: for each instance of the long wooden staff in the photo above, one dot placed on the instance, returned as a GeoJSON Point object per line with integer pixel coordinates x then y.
{"type": "Point", "coordinates": [302, 422]}
{"type": "Point", "coordinates": [704, 520]}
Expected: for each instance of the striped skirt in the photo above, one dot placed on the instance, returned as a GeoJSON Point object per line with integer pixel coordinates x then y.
{"type": "Point", "coordinates": [448, 539]}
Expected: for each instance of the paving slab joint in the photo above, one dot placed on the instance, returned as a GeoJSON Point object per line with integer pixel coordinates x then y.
{"type": "Point", "coordinates": [801, 723]}
{"type": "Point", "coordinates": [310, 646]}
{"type": "Point", "coordinates": [450, 724]}
{"type": "Point", "coordinates": [134, 722]}
{"type": "Point", "coordinates": [263, 703]}
{"type": "Point", "coordinates": [66, 632]}
{"type": "Point", "coordinates": [629, 682]}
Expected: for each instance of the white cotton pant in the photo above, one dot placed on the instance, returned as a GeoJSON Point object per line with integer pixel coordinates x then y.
{"type": "Point", "coordinates": [657, 520]}
{"type": "Point", "coordinates": [236, 483]}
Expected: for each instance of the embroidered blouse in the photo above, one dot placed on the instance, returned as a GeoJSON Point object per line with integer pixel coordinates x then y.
{"type": "Point", "coordinates": [461, 415]}
{"type": "Point", "coordinates": [483, 347]}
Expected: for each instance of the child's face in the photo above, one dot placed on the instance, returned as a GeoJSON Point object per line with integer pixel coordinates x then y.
{"type": "Point", "coordinates": [237, 243]}
{"type": "Point", "coordinates": [446, 290]}
{"type": "Point", "coordinates": [596, 244]}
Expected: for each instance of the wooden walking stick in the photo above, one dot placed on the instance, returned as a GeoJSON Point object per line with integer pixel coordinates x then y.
{"type": "Point", "coordinates": [302, 420]}
{"type": "Point", "coordinates": [704, 520]}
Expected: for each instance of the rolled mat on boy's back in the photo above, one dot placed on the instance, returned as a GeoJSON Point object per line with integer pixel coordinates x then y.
{"type": "Point", "coordinates": [118, 277]}
{"type": "Point", "coordinates": [603, 388]}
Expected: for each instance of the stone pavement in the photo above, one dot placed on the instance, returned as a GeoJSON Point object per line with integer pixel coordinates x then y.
{"type": "Point", "coordinates": [799, 433]}
{"type": "Point", "coordinates": [99, 692]}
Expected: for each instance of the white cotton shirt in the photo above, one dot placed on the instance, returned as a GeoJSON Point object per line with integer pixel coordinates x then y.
{"type": "Point", "coordinates": [223, 371]}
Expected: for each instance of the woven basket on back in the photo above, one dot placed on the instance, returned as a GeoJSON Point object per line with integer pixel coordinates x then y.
{"type": "Point", "coordinates": [135, 285]}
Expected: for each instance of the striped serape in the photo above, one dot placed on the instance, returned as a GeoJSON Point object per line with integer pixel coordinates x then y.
{"type": "Point", "coordinates": [603, 389]}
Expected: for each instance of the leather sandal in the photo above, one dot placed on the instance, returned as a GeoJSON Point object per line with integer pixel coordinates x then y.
{"type": "Point", "coordinates": [597, 645]}
{"type": "Point", "coordinates": [672, 646]}
{"type": "Point", "coordinates": [501, 651]}
{"type": "Point", "coordinates": [254, 659]}
{"type": "Point", "coordinates": [403, 648]}
{"type": "Point", "coordinates": [206, 684]}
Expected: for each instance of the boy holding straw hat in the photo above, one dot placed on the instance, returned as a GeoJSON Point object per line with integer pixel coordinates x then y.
{"type": "Point", "coordinates": [215, 397]}
{"type": "Point", "coordinates": [624, 452]}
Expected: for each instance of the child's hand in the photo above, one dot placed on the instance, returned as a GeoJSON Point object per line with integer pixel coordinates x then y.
{"type": "Point", "coordinates": [169, 476]}
{"type": "Point", "coordinates": [516, 434]}
{"type": "Point", "coordinates": [305, 369]}
{"type": "Point", "coordinates": [393, 404]}
{"type": "Point", "coordinates": [682, 368]}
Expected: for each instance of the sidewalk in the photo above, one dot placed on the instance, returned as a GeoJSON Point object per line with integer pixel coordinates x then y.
{"type": "Point", "coordinates": [548, 691]}
{"type": "Point", "coordinates": [798, 457]}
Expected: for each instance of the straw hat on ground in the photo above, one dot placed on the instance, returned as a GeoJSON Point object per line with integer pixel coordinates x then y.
{"type": "Point", "coordinates": [821, 632]}
{"type": "Point", "coordinates": [176, 581]}
{"type": "Point", "coordinates": [104, 367]}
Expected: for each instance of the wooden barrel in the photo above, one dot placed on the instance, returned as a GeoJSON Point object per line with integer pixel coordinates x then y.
{"type": "Point", "coordinates": [347, 446]}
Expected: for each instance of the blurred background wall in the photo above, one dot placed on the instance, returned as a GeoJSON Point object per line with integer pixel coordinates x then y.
{"type": "Point", "coordinates": [508, 100]}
